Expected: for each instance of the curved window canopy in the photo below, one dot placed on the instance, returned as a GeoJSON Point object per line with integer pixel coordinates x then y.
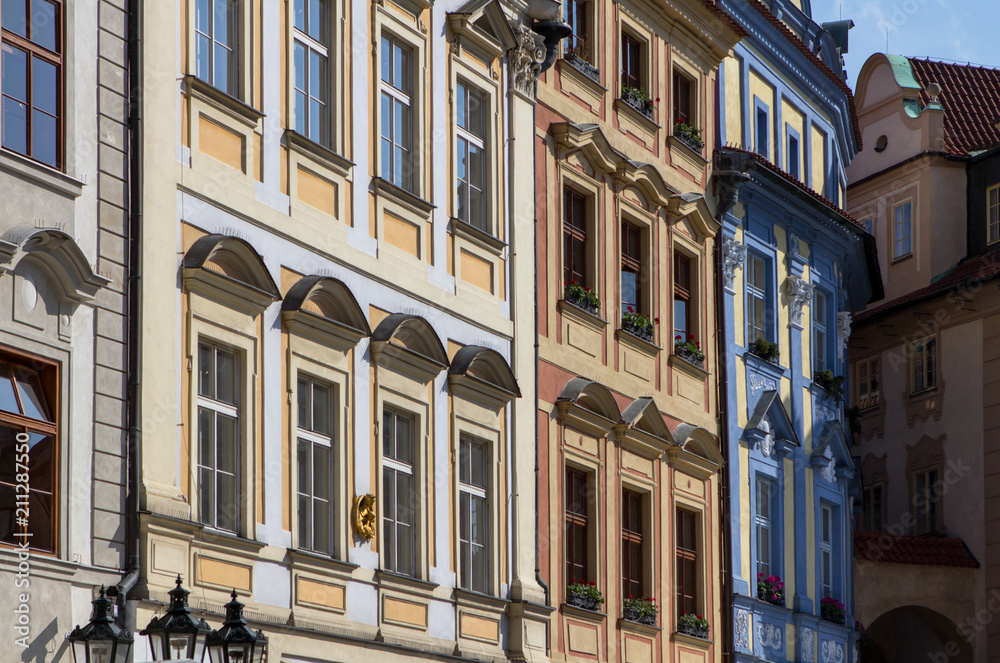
{"type": "Point", "coordinates": [589, 406]}
{"type": "Point", "coordinates": [643, 429]}
{"type": "Point", "coordinates": [408, 344]}
{"type": "Point", "coordinates": [324, 309]}
{"type": "Point", "coordinates": [483, 375]}
{"type": "Point", "coordinates": [226, 268]}
{"type": "Point", "coordinates": [696, 451]}
{"type": "Point", "coordinates": [58, 255]}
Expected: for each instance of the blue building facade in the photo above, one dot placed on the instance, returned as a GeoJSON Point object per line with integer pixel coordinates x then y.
{"type": "Point", "coordinates": [794, 267]}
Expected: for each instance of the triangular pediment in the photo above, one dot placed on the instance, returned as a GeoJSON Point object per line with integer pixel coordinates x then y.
{"type": "Point", "coordinates": [769, 427]}
{"type": "Point", "coordinates": [482, 26]}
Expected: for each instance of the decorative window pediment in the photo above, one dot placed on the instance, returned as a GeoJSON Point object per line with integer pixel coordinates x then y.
{"type": "Point", "coordinates": [482, 375]}
{"type": "Point", "coordinates": [831, 457]}
{"type": "Point", "coordinates": [693, 207]}
{"type": "Point", "coordinates": [482, 26]}
{"type": "Point", "coordinates": [770, 428]}
{"type": "Point", "coordinates": [696, 453]}
{"type": "Point", "coordinates": [323, 308]}
{"type": "Point", "coordinates": [589, 406]}
{"type": "Point", "coordinates": [228, 269]}
{"type": "Point", "coordinates": [58, 254]}
{"type": "Point", "coordinates": [408, 344]}
{"type": "Point", "coordinates": [643, 429]}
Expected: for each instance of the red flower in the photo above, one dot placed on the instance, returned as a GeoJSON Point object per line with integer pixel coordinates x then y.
{"type": "Point", "coordinates": [657, 100]}
{"type": "Point", "coordinates": [657, 321]}
{"type": "Point", "coordinates": [593, 584]}
{"type": "Point", "coordinates": [631, 310]}
{"type": "Point", "coordinates": [698, 616]}
{"type": "Point", "coordinates": [586, 289]}
{"type": "Point", "coordinates": [690, 337]}
{"type": "Point", "coordinates": [678, 337]}
{"type": "Point", "coordinates": [565, 282]}
{"type": "Point", "coordinates": [697, 344]}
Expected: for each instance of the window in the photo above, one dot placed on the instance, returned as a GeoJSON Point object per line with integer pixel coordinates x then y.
{"type": "Point", "coordinates": [868, 383]}
{"type": "Point", "coordinates": [682, 99]}
{"type": "Point", "coordinates": [473, 515]}
{"type": "Point", "coordinates": [926, 500]}
{"type": "Point", "coordinates": [312, 76]}
{"type": "Point", "coordinates": [792, 156]}
{"type": "Point", "coordinates": [32, 47]}
{"type": "Point", "coordinates": [687, 562]}
{"type": "Point", "coordinates": [682, 296]}
{"type": "Point", "coordinates": [631, 544]}
{"type": "Point", "coordinates": [574, 237]}
{"type": "Point", "coordinates": [826, 525]}
{"type": "Point", "coordinates": [631, 268]}
{"type": "Point", "coordinates": [315, 466]}
{"type": "Point", "coordinates": [631, 62]}
{"type": "Point", "coordinates": [902, 230]}
{"type": "Point", "coordinates": [215, 44]}
{"type": "Point", "coordinates": [757, 300]}
{"type": "Point", "coordinates": [820, 317]}
{"type": "Point", "coordinates": [762, 133]}
{"type": "Point", "coordinates": [471, 167]}
{"type": "Point", "coordinates": [872, 512]}
{"type": "Point", "coordinates": [577, 527]}
{"type": "Point", "coordinates": [218, 437]}
{"type": "Point", "coordinates": [763, 528]}
{"type": "Point", "coordinates": [575, 13]}
{"type": "Point", "coordinates": [993, 213]}
{"type": "Point", "coordinates": [29, 438]}
{"type": "Point", "coordinates": [923, 359]}
{"type": "Point", "coordinates": [399, 506]}
{"type": "Point", "coordinates": [396, 164]}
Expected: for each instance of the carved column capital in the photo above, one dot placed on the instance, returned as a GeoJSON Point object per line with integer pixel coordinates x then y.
{"type": "Point", "coordinates": [526, 60]}
{"type": "Point", "coordinates": [799, 292]}
{"type": "Point", "coordinates": [733, 255]}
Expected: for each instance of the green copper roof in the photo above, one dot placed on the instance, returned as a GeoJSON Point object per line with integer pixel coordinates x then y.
{"type": "Point", "coordinates": [903, 72]}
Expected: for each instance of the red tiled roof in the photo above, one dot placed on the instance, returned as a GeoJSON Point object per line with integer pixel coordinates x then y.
{"type": "Point", "coordinates": [967, 274]}
{"type": "Point", "coordinates": [971, 99]}
{"type": "Point", "coordinates": [927, 550]}
{"type": "Point", "coordinates": [798, 184]}
{"type": "Point", "coordinates": [794, 38]}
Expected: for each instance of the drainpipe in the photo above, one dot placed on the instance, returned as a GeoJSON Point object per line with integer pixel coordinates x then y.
{"type": "Point", "coordinates": [728, 648]}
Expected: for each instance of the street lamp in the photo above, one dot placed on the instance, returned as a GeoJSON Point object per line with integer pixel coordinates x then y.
{"type": "Point", "coordinates": [177, 634]}
{"type": "Point", "coordinates": [101, 640]}
{"type": "Point", "coordinates": [234, 642]}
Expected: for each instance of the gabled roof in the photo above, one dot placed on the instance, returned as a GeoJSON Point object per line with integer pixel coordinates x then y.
{"type": "Point", "coordinates": [923, 550]}
{"type": "Point", "coordinates": [769, 405]}
{"type": "Point", "coordinates": [971, 99]}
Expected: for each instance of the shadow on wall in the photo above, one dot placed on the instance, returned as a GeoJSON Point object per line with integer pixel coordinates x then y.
{"type": "Point", "coordinates": [915, 633]}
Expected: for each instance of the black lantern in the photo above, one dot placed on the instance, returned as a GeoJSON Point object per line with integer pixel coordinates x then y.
{"type": "Point", "coordinates": [234, 642]}
{"type": "Point", "coordinates": [101, 640]}
{"type": "Point", "coordinates": [177, 634]}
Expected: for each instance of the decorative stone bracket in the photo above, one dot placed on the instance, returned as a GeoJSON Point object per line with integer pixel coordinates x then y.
{"type": "Point", "coordinates": [734, 254]}
{"type": "Point", "coordinates": [843, 332]}
{"type": "Point", "coordinates": [799, 292]}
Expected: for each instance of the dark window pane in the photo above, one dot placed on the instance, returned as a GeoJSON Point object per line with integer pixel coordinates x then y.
{"type": "Point", "coordinates": [44, 129]}
{"type": "Point", "coordinates": [321, 472]}
{"type": "Point", "coordinates": [226, 443]}
{"type": "Point", "coordinates": [8, 504]}
{"type": "Point", "coordinates": [225, 387]}
{"type": "Point", "coordinates": [8, 454]}
{"type": "Point", "coordinates": [15, 73]}
{"type": "Point", "coordinates": [45, 86]}
{"type": "Point", "coordinates": [40, 525]}
{"type": "Point", "coordinates": [206, 437]}
{"type": "Point", "coordinates": [41, 459]}
{"type": "Point", "coordinates": [15, 16]}
{"type": "Point", "coordinates": [15, 126]}
{"type": "Point", "coordinates": [304, 473]}
{"type": "Point", "coordinates": [206, 495]}
{"type": "Point", "coordinates": [8, 401]}
{"type": "Point", "coordinates": [321, 526]}
{"type": "Point", "coordinates": [44, 26]}
{"type": "Point", "coordinates": [321, 409]}
{"type": "Point", "coordinates": [226, 508]}
{"type": "Point", "coordinates": [205, 371]}
{"type": "Point", "coordinates": [305, 521]}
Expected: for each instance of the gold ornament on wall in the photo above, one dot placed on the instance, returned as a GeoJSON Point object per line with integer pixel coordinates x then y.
{"type": "Point", "coordinates": [364, 516]}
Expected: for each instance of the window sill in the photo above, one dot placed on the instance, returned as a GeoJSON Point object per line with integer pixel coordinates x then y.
{"type": "Point", "coordinates": [324, 155]}
{"type": "Point", "coordinates": [587, 69]}
{"type": "Point", "coordinates": [325, 562]}
{"type": "Point", "coordinates": [57, 181]}
{"type": "Point", "coordinates": [398, 581]}
{"type": "Point", "coordinates": [689, 367]}
{"type": "Point", "coordinates": [579, 315]}
{"type": "Point", "coordinates": [402, 197]}
{"type": "Point", "coordinates": [640, 344]}
{"type": "Point", "coordinates": [213, 96]}
{"type": "Point", "coordinates": [702, 643]}
{"type": "Point", "coordinates": [896, 261]}
{"type": "Point", "coordinates": [480, 238]}
{"type": "Point", "coordinates": [583, 613]}
{"type": "Point", "coordinates": [923, 393]}
{"type": "Point", "coordinates": [636, 627]}
{"type": "Point", "coordinates": [467, 597]}
{"type": "Point", "coordinates": [686, 156]}
{"type": "Point", "coordinates": [645, 125]}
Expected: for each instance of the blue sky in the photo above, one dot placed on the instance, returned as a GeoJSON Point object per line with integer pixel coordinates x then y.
{"type": "Point", "coordinates": [959, 30]}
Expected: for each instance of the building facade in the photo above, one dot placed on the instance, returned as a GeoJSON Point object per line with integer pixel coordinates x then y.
{"type": "Point", "coordinates": [62, 317]}
{"type": "Point", "coordinates": [337, 287]}
{"type": "Point", "coordinates": [628, 395]}
{"type": "Point", "coordinates": [927, 185]}
{"type": "Point", "coordinates": [794, 265]}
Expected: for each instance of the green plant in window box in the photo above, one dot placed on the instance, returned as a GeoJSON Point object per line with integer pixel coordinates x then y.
{"type": "Point", "coordinates": [689, 350]}
{"type": "Point", "coordinates": [691, 624]}
{"type": "Point", "coordinates": [833, 384]}
{"type": "Point", "coordinates": [643, 611]}
{"type": "Point", "coordinates": [639, 324]}
{"type": "Point", "coordinates": [584, 595]}
{"type": "Point", "coordinates": [639, 99]}
{"type": "Point", "coordinates": [832, 610]}
{"type": "Point", "coordinates": [581, 297]}
{"type": "Point", "coordinates": [689, 134]}
{"type": "Point", "coordinates": [765, 349]}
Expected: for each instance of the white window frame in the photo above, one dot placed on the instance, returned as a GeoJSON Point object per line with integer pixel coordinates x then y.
{"type": "Point", "coordinates": [827, 581]}
{"type": "Point", "coordinates": [820, 336]}
{"type": "Point", "coordinates": [313, 438]}
{"type": "Point", "coordinates": [764, 524]}
{"type": "Point", "coordinates": [925, 349]}
{"type": "Point", "coordinates": [993, 214]}
{"type": "Point", "coordinates": [408, 173]}
{"type": "Point", "coordinates": [756, 293]}
{"type": "Point", "coordinates": [399, 467]}
{"type": "Point", "coordinates": [234, 46]}
{"type": "Point", "coordinates": [925, 496]}
{"type": "Point", "coordinates": [312, 45]}
{"type": "Point", "coordinates": [467, 90]}
{"type": "Point", "coordinates": [217, 408]}
{"type": "Point", "coordinates": [868, 387]}
{"type": "Point", "coordinates": [902, 231]}
{"type": "Point", "coordinates": [474, 492]}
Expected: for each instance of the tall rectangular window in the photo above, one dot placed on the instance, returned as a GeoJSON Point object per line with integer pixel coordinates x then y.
{"type": "Point", "coordinates": [873, 510]}
{"type": "Point", "coordinates": [396, 160]}
{"type": "Point", "coordinates": [687, 562]}
{"type": "Point", "coordinates": [902, 230]}
{"type": "Point", "coordinates": [826, 525]}
{"type": "Point", "coordinates": [926, 501]}
{"type": "Point", "coordinates": [574, 237]}
{"type": "Point", "coordinates": [312, 74]}
{"type": "Point", "coordinates": [470, 114]}
{"type": "Point", "coordinates": [29, 451]}
{"type": "Point", "coordinates": [993, 213]}
{"type": "Point", "coordinates": [473, 516]}
{"type": "Point", "coordinates": [31, 56]}
{"type": "Point", "coordinates": [682, 98]}
{"type": "Point", "coordinates": [631, 544]}
{"type": "Point", "coordinates": [923, 361]}
{"type": "Point", "coordinates": [631, 62]}
{"type": "Point", "coordinates": [792, 157]}
{"type": "Point", "coordinates": [577, 527]}
{"type": "Point", "coordinates": [315, 466]}
{"type": "Point", "coordinates": [399, 496]}
{"type": "Point", "coordinates": [756, 299]}
{"type": "Point", "coordinates": [762, 134]}
{"type": "Point", "coordinates": [631, 269]}
{"type": "Point", "coordinates": [820, 316]}
{"type": "Point", "coordinates": [218, 437]}
{"type": "Point", "coordinates": [216, 56]}
{"type": "Point", "coordinates": [682, 296]}
{"type": "Point", "coordinates": [575, 14]}
{"type": "Point", "coordinates": [868, 383]}
{"type": "Point", "coordinates": [763, 527]}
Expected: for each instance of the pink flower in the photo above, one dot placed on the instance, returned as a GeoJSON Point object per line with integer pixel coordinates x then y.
{"type": "Point", "coordinates": [770, 578]}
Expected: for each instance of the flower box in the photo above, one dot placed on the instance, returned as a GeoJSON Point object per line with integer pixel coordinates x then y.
{"type": "Point", "coordinates": [689, 350]}
{"type": "Point", "coordinates": [638, 99]}
{"type": "Point", "coordinates": [771, 589]}
{"type": "Point", "coordinates": [832, 610]}
{"type": "Point", "coordinates": [640, 611]}
{"type": "Point", "coordinates": [584, 595]}
{"type": "Point", "coordinates": [694, 625]}
{"type": "Point", "coordinates": [582, 297]}
{"type": "Point", "coordinates": [638, 324]}
{"type": "Point", "coordinates": [689, 134]}
{"type": "Point", "coordinates": [764, 349]}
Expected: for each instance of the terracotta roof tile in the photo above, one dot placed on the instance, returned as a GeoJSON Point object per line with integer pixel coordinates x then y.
{"type": "Point", "coordinates": [971, 99]}
{"type": "Point", "coordinates": [925, 550]}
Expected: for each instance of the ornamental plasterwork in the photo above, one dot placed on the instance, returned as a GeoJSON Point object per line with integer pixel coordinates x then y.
{"type": "Point", "coordinates": [829, 470]}
{"type": "Point", "coordinates": [808, 653]}
{"type": "Point", "coordinates": [743, 629]}
{"type": "Point", "coordinates": [733, 255]}
{"type": "Point", "coordinates": [843, 332]}
{"type": "Point", "coordinates": [526, 60]}
{"type": "Point", "coordinates": [794, 244]}
{"type": "Point", "coordinates": [799, 292]}
{"type": "Point", "coordinates": [363, 518]}
{"type": "Point", "coordinates": [769, 635]}
{"type": "Point", "coordinates": [766, 443]}
{"type": "Point", "coordinates": [832, 652]}
{"type": "Point", "coordinates": [759, 384]}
